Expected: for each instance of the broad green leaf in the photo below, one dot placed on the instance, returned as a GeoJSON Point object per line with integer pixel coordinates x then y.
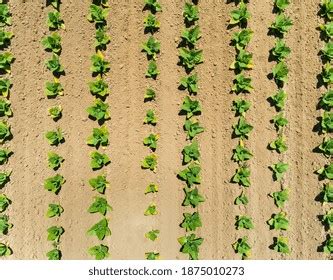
{"type": "Point", "coordinates": [98, 64]}
{"type": "Point", "coordinates": [244, 222]}
{"type": "Point", "coordinates": [281, 5]}
{"type": "Point", "coordinates": [191, 175]}
{"type": "Point", "coordinates": [4, 156]}
{"type": "Point", "coordinates": [150, 94]}
{"type": "Point", "coordinates": [100, 205]}
{"type": "Point", "coordinates": [99, 137]}
{"type": "Point", "coordinates": [153, 5]}
{"type": "Point", "coordinates": [280, 121]}
{"type": "Point", "coordinates": [102, 39]}
{"type": "Point", "coordinates": [152, 256]}
{"type": "Point", "coordinates": [151, 47]}
{"type": "Point", "coordinates": [54, 184]}
{"type": "Point", "coordinates": [54, 65]}
{"type": "Point", "coordinates": [191, 12]}
{"type": "Point", "coordinates": [5, 250]}
{"type": "Point", "coordinates": [278, 170]}
{"type": "Point", "coordinates": [5, 133]}
{"type": "Point", "coordinates": [98, 14]}
{"type": "Point", "coordinates": [192, 128]}
{"type": "Point", "coordinates": [280, 51]}
{"type": "Point", "coordinates": [5, 225]}
{"type": "Point", "coordinates": [99, 183]}
{"type": "Point", "coordinates": [54, 255]}
{"type": "Point", "coordinates": [4, 178]}
{"type": "Point", "coordinates": [279, 221]}
{"type": "Point", "coordinates": [243, 61]}
{"type": "Point", "coordinates": [98, 160]}
{"type": "Point", "coordinates": [151, 23]}
{"type": "Point", "coordinates": [241, 153]}
{"type": "Point", "coordinates": [151, 210]}
{"type": "Point", "coordinates": [327, 194]}
{"type": "Point", "coordinates": [6, 60]}
{"type": "Point", "coordinates": [327, 74]}
{"type": "Point", "coordinates": [281, 245]}
{"type": "Point", "coordinates": [192, 197]}
{"type": "Point", "coordinates": [54, 233]}
{"type": "Point", "coordinates": [242, 247]}
{"type": "Point", "coordinates": [327, 29]}
{"type": "Point", "coordinates": [242, 176]}
{"type": "Point", "coordinates": [190, 83]}
{"type": "Point", "coordinates": [151, 188]}
{"type": "Point", "coordinates": [99, 110]}
{"type": "Point", "coordinates": [280, 197]}
{"type": "Point", "coordinates": [242, 38]}
{"type": "Point", "coordinates": [190, 58]}
{"type": "Point", "coordinates": [99, 88]}
{"type": "Point", "coordinates": [152, 71]}
{"type": "Point", "coordinates": [240, 15]}
{"type": "Point", "coordinates": [191, 152]}
{"type": "Point", "coordinates": [5, 15]}
{"type": "Point", "coordinates": [241, 106]}
{"type": "Point", "coordinates": [55, 137]}
{"type": "Point", "coordinates": [54, 160]}
{"type": "Point", "coordinates": [242, 128]}
{"type": "Point", "coordinates": [150, 118]}
{"type": "Point", "coordinates": [53, 89]}
{"type": "Point", "coordinates": [242, 84]}
{"type": "Point", "coordinates": [5, 85]}
{"type": "Point", "coordinates": [149, 162]}
{"type": "Point", "coordinates": [151, 141]}
{"type": "Point", "coordinates": [100, 252]}
{"type": "Point", "coordinates": [4, 202]}
{"type": "Point", "coordinates": [191, 35]}
{"type": "Point", "coordinates": [326, 101]}
{"type": "Point", "coordinates": [190, 245]}
{"type": "Point", "coordinates": [241, 199]}
{"type": "Point", "coordinates": [54, 210]}
{"type": "Point", "coordinates": [280, 72]}
{"type": "Point", "coordinates": [55, 112]}
{"type": "Point", "coordinates": [100, 229]}
{"type": "Point", "coordinates": [326, 147]}
{"type": "Point", "coordinates": [152, 235]}
{"type": "Point", "coordinates": [52, 43]}
{"type": "Point", "coordinates": [5, 38]}
{"type": "Point", "coordinates": [191, 221]}
{"type": "Point", "coordinates": [279, 99]}
{"type": "Point", "coordinates": [5, 108]}
{"type": "Point", "coordinates": [54, 21]}
{"type": "Point", "coordinates": [190, 107]}
{"type": "Point", "coordinates": [326, 172]}
{"type": "Point", "coordinates": [282, 24]}
{"type": "Point", "coordinates": [326, 9]}
{"type": "Point", "coordinates": [279, 145]}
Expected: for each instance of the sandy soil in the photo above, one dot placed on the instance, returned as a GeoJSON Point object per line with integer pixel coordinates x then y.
{"type": "Point", "coordinates": [128, 180]}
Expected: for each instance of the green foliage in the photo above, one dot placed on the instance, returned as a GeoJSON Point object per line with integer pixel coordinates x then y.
{"type": "Point", "coordinates": [191, 175]}
{"type": "Point", "coordinates": [151, 188]}
{"type": "Point", "coordinates": [53, 89]}
{"type": "Point", "coordinates": [281, 5]}
{"type": "Point", "coordinates": [54, 184]}
{"type": "Point", "coordinates": [100, 229]}
{"type": "Point", "coordinates": [150, 118]}
{"type": "Point", "coordinates": [327, 51]}
{"type": "Point", "coordinates": [5, 85]}
{"type": "Point", "coordinates": [100, 136]}
{"type": "Point", "coordinates": [190, 12]}
{"type": "Point", "coordinates": [326, 9]}
{"type": "Point", "coordinates": [280, 121]}
{"type": "Point", "coordinates": [152, 47]}
{"type": "Point", "coordinates": [4, 156]}
{"type": "Point", "coordinates": [99, 184]}
{"type": "Point", "coordinates": [151, 210]}
{"type": "Point", "coordinates": [54, 65]}
{"type": "Point", "coordinates": [326, 172]}
{"type": "Point", "coordinates": [100, 252]}
{"type": "Point", "coordinates": [152, 256]}
{"type": "Point", "coordinates": [328, 245]}
{"type": "Point", "coordinates": [242, 199]}
{"type": "Point", "coordinates": [6, 60]}
{"type": "Point", "coordinates": [242, 247]}
{"type": "Point", "coordinates": [55, 112]}
{"type": "Point", "coordinates": [243, 61]}
{"type": "Point", "coordinates": [190, 245]}
{"type": "Point", "coordinates": [279, 221]}
{"type": "Point", "coordinates": [282, 24]}
{"type": "Point", "coordinates": [241, 106]}
{"type": "Point", "coordinates": [151, 23]}
{"type": "Point", "coordinates": [99, 110]}
{"type": "Point", "coordinates": [326, 147]}
{"type": "Point", "coordinates": [5, 132]}
{"type": "Point", "coordinates": [153, 5]}
{"type": "Point", "coordinates": [192, 128]}
{"type": "Point", "coordinates": [5, 109]}
{"type": "Point", "coordinates": [99, 88]}
{"type": "Point", "coordinates": [5, 225]}
{"type": "Point", "coordinates": [4, 203]}
{"type": "Point", "coordinates": [54, 160]}
{"type": "Point", "coordinates": [54, 233]}
{"type": "Point", "coordinates": [55, 137]}
{"type": "Point", "coordinates": [241, 153]}
{"type": "Point", "coordinates": [100, 205]}
{"type": "Point", "coordinates": [190, 83]}
{"type": "Point", "coordinates": [327, 194]}
{"type": "Point", "coordinates": [279, 169]}
{"type": "Point", "coordinates": [99, 65]}
{"type": "Point", "coordinates": [242, 176]}
{"type": "Point", "coordinates": [279, 145]}
{"type": "Point", "coordinates": [5, 250]}
{"type": "Point", "coordinates": [240, 15]}
{"type": "Point", "coordinates": [152, 235]}
{"type": "Point", "coordinates": [191, 152]}
{"type": "Point", "coordinates": [149, 162]}
{"type": "Point", "coordinates": [327, 30]}
{"type": "Point", "coordinates": [327, 122]}
{"type": "Point", "coordinates": [191, 221]}
{"type": "Point", "coordinates": [327, 219]}
{"type": "Point", "coordinates": [242, 128]}
{"type": "Point", "coordinates": [55, 4]}
{"type": "Point", "coordinates": [54, 21]}
{"type": "Point", "coordinates": [280, 51]}
{"type": "Point", "coordinates": [150, 94]}
{"type": "Point", "coordinates": [52, 43]}
{"type": "Point", "coordinates": [326, 101]}
{"type": "Point", "coordinates": [192, 197]}
{"type": "Point", "coordinates": [281, 245]}
{"type": "Point", "coordinates": [191, 107]}
{"type": "Point", "coordinates": [242, 38]}
{"type": "Point", "coordinates": [5, 15]}
{"type": "Point", "coordinates": [54, 210]}
{"type": "Point", "coordinates": [151, 141]}
{"type": "Point", "coordinates": [5, 38]}
{"type": "Point", "coordinates": [54, 255]}
{"type": "Point", "coordinates": [242, 84]}
{"type": "Point", "coordinates": [190, 58]}
{"type": "Point", "coordinates": [279, 100]}
{"type": "Point", "coordinates": [327, 74]}
{"type": "Point", "coordinates": [244, 222]}
{"type": "Point", "coordinates": [98, 14]}
{"type": "Point", "coordinates": [98, 160]}
{"type": "Point", "coordinates": [102, 39]}
{"type": "Point", "coordinates": [280, 197]}
{"type": "Point", "coordinates": [280, 72]}
{"type": "Point", "coordinates": [4, 178]}
{"type": "Point", "coordinates": [152, 71]}
{"type": "Point", "coordinates": [191, 35]}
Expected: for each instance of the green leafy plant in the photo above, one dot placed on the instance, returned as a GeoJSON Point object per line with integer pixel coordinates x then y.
{"type": "Point", "coordinates": [152, 71]}
{"type": "Point", "coordinates": [100, 229]}
{"type": "Point", "coordinates": [54, 65]}
{"type": "Point", "coordinates": [327, 29]}
{"type": "Point", "coordinates": [54, 160]}
{"type": "Point", "coordinates": [52, 43]}
{"type": "Point", "coordinates": [242, 199]}
{"type": "Point", "coordinates": [243, 61]}
{"type": "Point", "coordinates": [150, 94]}
{"type": "Point", "coordinates": [98, 14]}
{"type": "Point", "coordinates": [5, 15]}
{"type": "Point", "coordinates": [151, 210]}
{"type": "Point", "coordinates": [190, 58]}
{"type": "Point", "coordinates": [241, 106]}
{"type": "Point", "coordinates": [4, 178]}
{"type": "Point", "coordinates": [242, 84]}
{"type": "Point", "coordinates": [328, 245]}
{"type": "Point", "coordinates": [53, 89]}
{"type": "Point", "coordinates": [244, 222]}
{"type": "Point", "coordinates": [242, 176]}
{"type": "Point", "coordinates": [150, 118]}
{"type": "Point", "coordinates": [153, 5]}
{"type": "Point", "coordinates": [54, 20]}
{"type": "Point", "coordinates": [242, 128]}
{"type": "Point", "coordinates": [151, 23]}
{"type": "Point", "coordinates": [191, 175]}
{"type": "Point", "coordinates": [191, 35]}
{"type": "Point", "coordinates": [240, 15]}
{"type": "Point", "coordinates": [151, 188]}
{"type": "Point", "coordinates": [100, 205]}
{"type": "Point", "coordinates": [54, 210]}
{"type": "Point", "coordinates": [149, 162]}
{"type": "Point", "coordinates": [99, 65]}
{"type": "Point", "coordinates": [152, 235]}
{"type": "Point", "coordinates": [4, 203]}
{"type": "Point", "coordinates": [6, 60]}
{"type": "Point", "coordinates": [326, 147]}
{"type": "Point", "coordinates": [151, 141]}
{"type": "Point", "coordinates": [279, 99]}
{"type": "Point", "coordinates": [191, 221]}
{"type": "Point", "coordinates": [281, 245]}
{"type": "Point", "coordinates": [5, 85]}
{"type": "Point", "coordinates": [99, 110]}
{"type": "Point", "coordinates": [192, 197]}
{"type": "Point", "coordinates": [280, 51]}
{"type": "Point", "coordinates": [190, 12]}
{"type": "Point", "coordinates": [99, 87]}
{"type": "Point", "coordinates": [190, 107]}
{"type": "Point", "coordinates": [54, 233]}
{"type": "Point", "coordinates": [241, 153]}
{"type": "Point", "coordinates": [327, 74]}
{"type": "Point", "coordinates": [327, 9]}
{"type": "Point", "coordinates": [100, 136]}
{"type": "Point", "coordinates": [279, 221]}
{"type": "Point", "coordinates": [54, 184]}
{"type": "Point", "coordinates": [327, 122]}
{"type": "Point", "coordinates": [190, 83]}
{"type": "Point", "coordinates": [5, 250]}
{"type": "Point", "coordinates": [327, 219]}
{"type": "Point", "coordinates": [280, 72]}
{"type": "Point", "coordinates": [5, 38]}
{"type": "Point", "coordinates": [327, 193]}
{"type": "Point", "coordinates": [191, 152]}
{"type": "Point", "coordinates": [5, 225]}
{"type": "Point", "coordinates": [282, 24]}
{"type": "Point", "coordinates": [279, 145]}
{"type": "Point", "coordinates": [4, 156]}
{"type": "Point", "coordinates": [192, 128]}
{"type": "Point", "coordinates": [242, 247]}
{"type": "Point", "coordinates": [152, 47]}
{"type": "Point", "coordinates": [55, 137]}
{"type": "Point", "coordinates": [152, 256]}
{"type": "Point", "coordinates": [280, 197]}
{"type": "Point", "coordinates": [280, 121]}
{"type": "Point", "coordinates": [54, 255]}
{"type": "Point", "coordinates": [55, 4]}
{"type": "Point", "coordinates": [102, 39]}
{"type": "Point", "coordinates": [55, 112]}
{"type": "Point", "coordinates": [100, 252]}
{"type": "Point", "coordinates": [242, 38]}
{"type": "Point", "coordinates": [326, 101]}
{"type": "Point", "coordinates": [190, 245]}
{"type": "Point", "coordinates": [326, 172]}
{"type": "Point", "coordinates": [326, 52]}
{"type": "Point", "coordinates": [279, 169]}
{"type": "Point", "coordinates": [99, 184]}
{"type": "Point", "coordinates": [281, 5]}
{"type": "Point", "coordinates": [5, 109]}
{"type": "Point", "coordinates": [5, 132]}
{"type": "Point", "coordinates": [98, 160]}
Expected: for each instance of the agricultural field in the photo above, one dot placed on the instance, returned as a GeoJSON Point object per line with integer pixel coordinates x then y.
{"type": "Point", "coordinates": [166, 129]}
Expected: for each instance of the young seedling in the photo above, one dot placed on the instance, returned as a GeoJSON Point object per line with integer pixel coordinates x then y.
{"type": "Point", "coordinates": [280, 197]}
{"type": "Point", "coordinates": [281, 5]}
{"type": "Point", "coordinates": [152, 256]}
{"type": "Point", "coordinates": [5, 109]}
{"type": "Point", "coordinates": [327, 51]}
{"type": "Point", "coordinates": [99, 65]}
{"type": "Point", "coordinates": [54, 21]}
{"type": "Point", "coordinates": [99, 252]}
{"type": "Point", "coordinates": [52, 43]}
{"type": "Point", "coordinates": [190, 58]}
{"type": "Point", "coordinates": [327, 194]}
{"type": "Point", "coordinates": [279, 145]}
{"type": "Point", "coordinates": [191, 221]}
{"type": "Point", "coordinates": [4, 156]}
{"type": "Point", "coordinates": [328, 245]}
{"type": "Point", "coordinates": [242, 38]}
{"type": "Point", "coordinates": [151, 23]}
{"type": "Point", "coordinates": [244, 222]}
{"type": "Point", "coordinates": [152, 47]}
{"type": "Point", "coordinates": [281, 25]}
{"type": "Point", "coordinates": [326, 172]}
{"type": "Point", "coordinates": [55, 112]}
{"type": "Point", "coordinates": [327, 30]}
{"type": "Point", "coordinates": [150, 118]}
{"type": "Point", "coordinates": [152, 235]}
{"type": "Point", "coordinates": [242, 128]}
{"type": "Point", "coordinates": [54, 160]}
{"type": "Point", "coordinates": [240, 15]}
{"type": "Point", "coordinates": [151, 141]}
{"type": "Point", "coordinates": [190, 13]}
{"type": "Point", "coordinates": [5, 85]}
{"type": "Point", "coordinates": [280, 73]}
{"type": "Point", "coordinates": [190, 245]}
{"type": "Point", "coordinates": [327, 122]}
{"type": "Point", "coordinates": [5, 15]}
{"type": "Point", "coordinates": [100, 205]}
{"type": "Point", "coordinates": [278, 170]}
{"type": "Point", "coordinates": [281, 245]}
{"type": "Point", "coordinates": [280, 122]}
{"type": "Point", "coordinates": [54, 65]}
{"type": "Point", "coordinates": [327, 74]}
{"type": "Point", "coordinates": [99, 88]}
{"type": "Point", "coordinates": [55, 4]}
{"type": "Point", "coordinates": [241, 106]}
{"type": "Point", "coordinates": [279, 221]}
{"type": "Point", "coordinates": [149, 162]}
{"type": "Point", "coordinates": [279, 99]}
{"type": "Point", "coordinates": [5, 132]}
{"type": "Point", "coordinates": [190, 83]}
{"type": "Point", "coordinates": [55, 137]}
{"type": "Point", "coordinates": [99, 137]}
{"type": "Point", "coordinates": [326, 101]}
{"type": "Point", "coordinates": [280, 51]}
{"type": "Point", "coordinates": [54, 255]}
{"type": "Point", "coordinates": [242, 247]}
{"type": "Point", "coordinates": [327, 219]}
{"type": "Point", "coordinates": [326, 9]}
{"type": "Point", "coordinates": [4, 203]}
{"type": "Point", "coordinates": [241, 153]}
{"type": "Point", "coordinates": [192, 197]}
{"type": "Point", "coordinates": [5, 38]}
{"type": "Point", "coordinates": [5, 250]}
{"type": "Point", "coordinates": [242, 84]}
{"type": "Point", "coordinates": [100, 229]}
{"type": "Point", "coordinates": [99, 184]}
{"type": "Point", "coordinates": [6, 60]}
{"type": "Point", "coordinates": [242, 176]}
{"type": "Point", "coordinates": [99, 111]}
{"type": "Point", "coordinates": [242, 199]}
{"type": "Point", "coordinates": [153, 5]}
{"type": "Point", "coordinates": [150, 94]}
{"type": "Point", "coordinates": [5, 225]}
{"type": "Point", "coordinates": [191, 36]}
{"type": "Point", "coordinates": [190, 107]}
{"type": "Point", "coordinates": [98, 160]}
{"type": "Point", "coordinates": [326, 147]}
{"type": "Point", "coordinates": [53, 89]}
{"type": "Point", "coordinates": [191, 153]}
{"type": "Point", "coordinates": [102, 39]}
{"type": "Point", "coordinates": [190, 175]}
{"type": "Point", "coordinates": [151, 210]}
{"type": "Point", "coordinates": [98, 15]}
{"type": "Point", "coordinates": [152, 71]}
{"type": "Point", "coordinates": [54, 210]}
{"type": "Point", "coordinates": [192, 128]}
{"type": "Point", "coordinates": [4, 178]}
{"type": "Point", "coordinates": [54, 233]}
{"type": "Point", "coordinates": [54, 184]}
{"type": "Point", "coordinates": [243, 61]}
{"type": "Point", "coordinates": [151, 188]}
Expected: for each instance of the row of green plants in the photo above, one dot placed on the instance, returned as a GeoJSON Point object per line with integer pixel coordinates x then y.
{"type": "Point", "coordinates": [325, 126]}
{"type": "Point", "coordinates": [279, 54]}
{"type": "Point", "coordinates": [6, 60]}
{"type": "Point", "coordinates": [242, 85]}
{"type": "Point", "coordinates": [190, 55]}
{"type": "Point", "coordinates": [54, 89]}
{"type": "Point", "coordinates": [151, 47]}
{"type": "Point", "coordinates": [99, 112]}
